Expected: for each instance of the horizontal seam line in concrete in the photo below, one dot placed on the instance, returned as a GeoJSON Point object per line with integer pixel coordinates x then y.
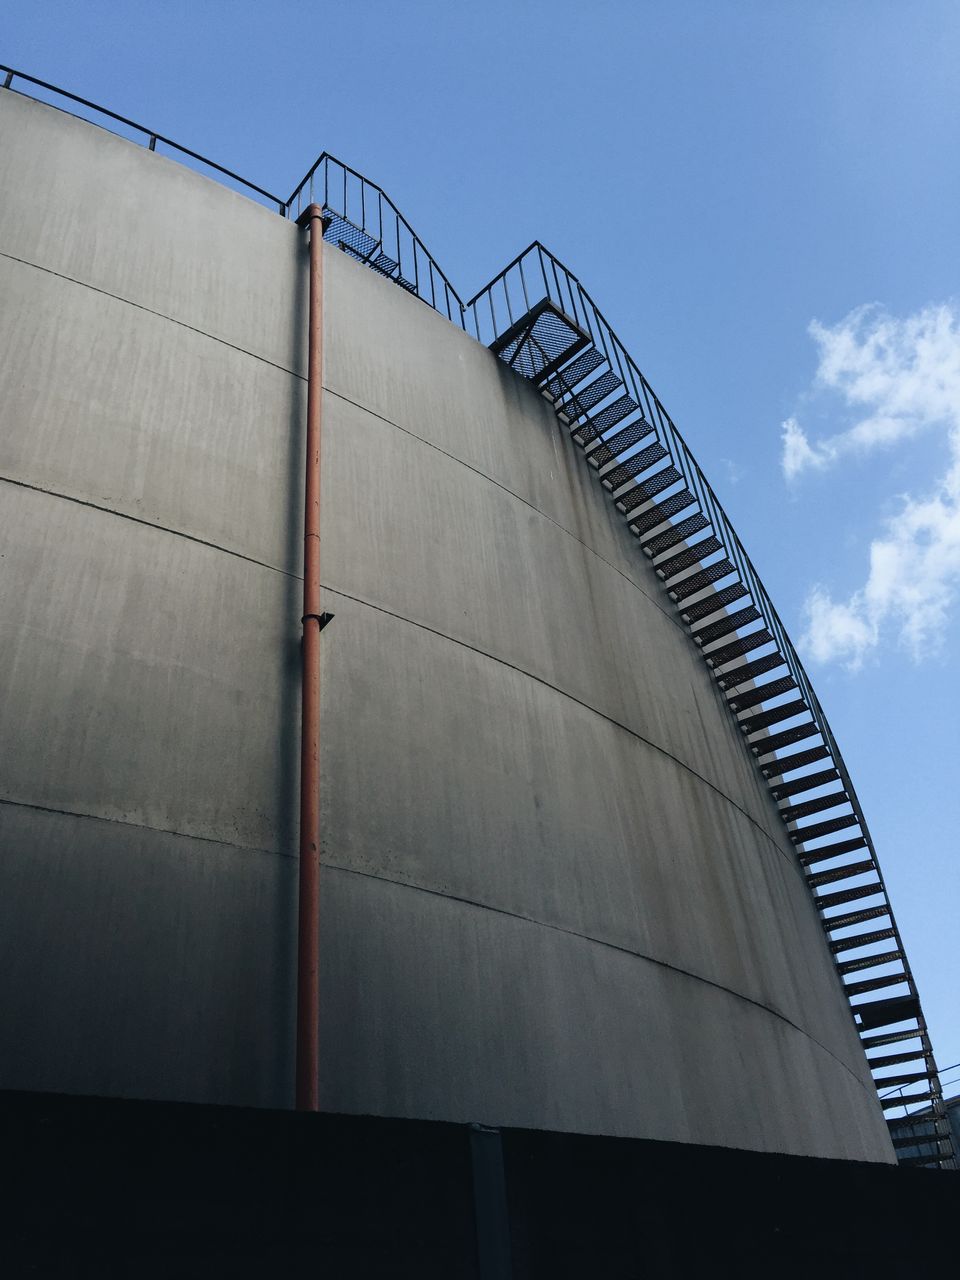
{"type": "Point", "coordinates": [177, 533]}
{"type": "Point", "coordinates": [492, 657]}
{"type": "Point", "coordinates": [161, 315]}
{"type": "Point", "coordinates": [149, 524]}
{"type": "Point", "coordinates": [600, 942]}
{"type": "Point", "coordinates": [513, 494]}
{"type": "Point", "coordinates": [145, 826]}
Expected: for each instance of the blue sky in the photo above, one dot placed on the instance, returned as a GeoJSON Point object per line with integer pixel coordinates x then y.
{"type": "Point", "coordinates": [762, 198]}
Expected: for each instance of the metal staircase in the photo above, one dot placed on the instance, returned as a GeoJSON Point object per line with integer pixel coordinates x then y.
{"type": "Point", "coordinates": [525, 315]}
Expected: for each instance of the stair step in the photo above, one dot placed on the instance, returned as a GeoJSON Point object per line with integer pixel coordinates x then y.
{"type": "Point", "coordinates": [869, 962]}
{"type": "Point", "coordinates": [583, 401]}
{"type": "Point", "coordinates": [657, 514]}
{"type": "Point", "coordinates": [737, 648]}
{"type": "Point", "coordinates": [889, 1037]}
{"type": "Point", "coordinates": [841, 873]}
{"type": "Point", "coordinates": [882, 1013]}
{"type": "Point", "coordinates": [875, 984]}
{"type": "Point", "coordinates": [829, 900]}
{"type": "Point", "coordinates": [691, 613]}
{"type": "Point", "coordinates": [668, 569]}
{"type": "Point", "coordinates": [611, 414]}
{"type": "Point", "coordinates": [773, 715]}
{"type": "Point", "coordinates": [567, 378]}
{"type": "Point", "coordinates": [607, 450]}
{"type": "Point", "coordinates": [350, 238]}
{"type": "Point", "coordinates": [697, 581]}
{"type": "Point", "coordinates": [821, 803]}
{"type": "Point", "coordinates": [661, 542]}
{"type": "Point", "coordinates": [856, 917]}
{"type": "Point", "coordinates": [748, 698]}
{"type": "Point", "coordinates": [897, 1082]}
{"type": "Point", "coordinates": [893, 1059]}
{"type": "Point", "coordinates": [649, 488]}
{"type": "Point", "coordinates": [833, 850]}
{"type": "Point", "coordinates": [764, 746]}
{"type": "Point", "coordinates": [723, 627]}
{"type": "Point", "coordinates": [386, 266]}
{"type": "Point", "coordinates": [888, 1104]}
{"type": "Point", "coordinates": [781, 790]}
{"type": "Point", "coordinates": [924, 1139]}
{"type": "Point", "coordinates": [803, 834]}
{"type": "Point", "coordinates": [921, 1162]}
{"type": "Point", "coordinates": [737, 676]}
{"type": "Point", "coordinates": [862, 940]}
{"type": "Point", "coordinates": [639, 462]}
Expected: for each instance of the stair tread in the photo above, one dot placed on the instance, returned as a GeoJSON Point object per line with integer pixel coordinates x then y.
{"type": "Point", "coordinates": [882, 1013]}
{"type": "Point", "coordinates": [620, 442]}
{"type": "Point", "coordinates": [691, 613]}
{"type": "Point", "coordinates": [889, 1037]}
{"type": "Point", "coordinates": [764, 746]}
{"type": "Point", "coordinates": [875, 984]}
{"type": "Point", "coordinates": [668, 569]}
{"type": "Point", "coordinates": [773, 715]}
{"type": "Point", "coordinates": [566, 379]}
{"type": "Point", "coordinates": [725, 626]}
{"type": "Point", "coordinates": [908, 1100]}
{"type": "Point", "coordinates": [869, 962]}
{"type": "Point", "coordinates": [841, 873]}
{"type": "Point", "coordinates": [737, 648]}
{"type": "Point", "coordinates": [833, 850]}
{"type": "Point", "coordinates": [828, 900]}
{"type": "Point", "coordinates": [893, 1059]}
{"type": "Point", "coordinates": [697, 581]}
{"type": "Point", "coordinates": [634, 465]}
{"type": "Point", "coordinates": [660, 542]}
{"type": "Point", "coordinates": [862, 939]}
{"type": "Point", "coordinates": [649, 488]}
{"type": "Point", "coordinates": [856, 917]}
{"type": "Point", "coordinates": [896, 1082]}
{"type": "Point", "coordinates": [658, 513]}
{"type": "Point", "coordinates": [781, 790]}
{"type": "Point", "coordinates": [818, 829]}
{"type": "Point", "coordinates": [794, 811]}
{"type": "Point", "coordinates": [581, 402]}
{"type": "Point", "coordinates": [737, 676]}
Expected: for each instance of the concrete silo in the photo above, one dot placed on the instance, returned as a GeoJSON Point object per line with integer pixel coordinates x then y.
{"type": "Point", "coordinates": [556, 892]}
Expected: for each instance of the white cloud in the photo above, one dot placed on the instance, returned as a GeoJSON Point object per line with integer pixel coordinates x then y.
{"type": "Point", "coordinates": [798, 454]}
{"type": "Point", "coordinates": [905, 375]}
{"type": "Point", "coordinates": [836, 630]}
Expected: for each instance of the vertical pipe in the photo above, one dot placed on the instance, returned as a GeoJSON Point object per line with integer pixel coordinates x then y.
{"type": "Point", "coordinates": [308, 937]}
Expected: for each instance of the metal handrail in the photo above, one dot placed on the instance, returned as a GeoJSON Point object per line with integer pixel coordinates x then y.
{"type": "Point", "coordinates": [10, 74]}
{"type": "Point", "coordinates": [367, 208]}
{"type": "Point", "coordinates": [395, 248]}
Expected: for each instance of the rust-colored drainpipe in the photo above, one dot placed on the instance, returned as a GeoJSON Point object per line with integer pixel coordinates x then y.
{"type": "Point", "coordinates": [308, 937]}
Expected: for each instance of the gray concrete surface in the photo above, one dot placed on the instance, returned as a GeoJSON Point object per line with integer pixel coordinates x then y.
{"type": "Point", "coordinates": [555, 893]}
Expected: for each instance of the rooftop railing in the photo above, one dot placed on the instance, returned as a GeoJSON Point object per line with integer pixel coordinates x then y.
{"type": "Point", "coordinates": [41, 91]}
{"type": "Point", "coordinates": [367, 225]}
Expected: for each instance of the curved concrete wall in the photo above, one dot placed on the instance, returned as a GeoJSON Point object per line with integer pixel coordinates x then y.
{"type": "Point", "coordinates": [555, 893]}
